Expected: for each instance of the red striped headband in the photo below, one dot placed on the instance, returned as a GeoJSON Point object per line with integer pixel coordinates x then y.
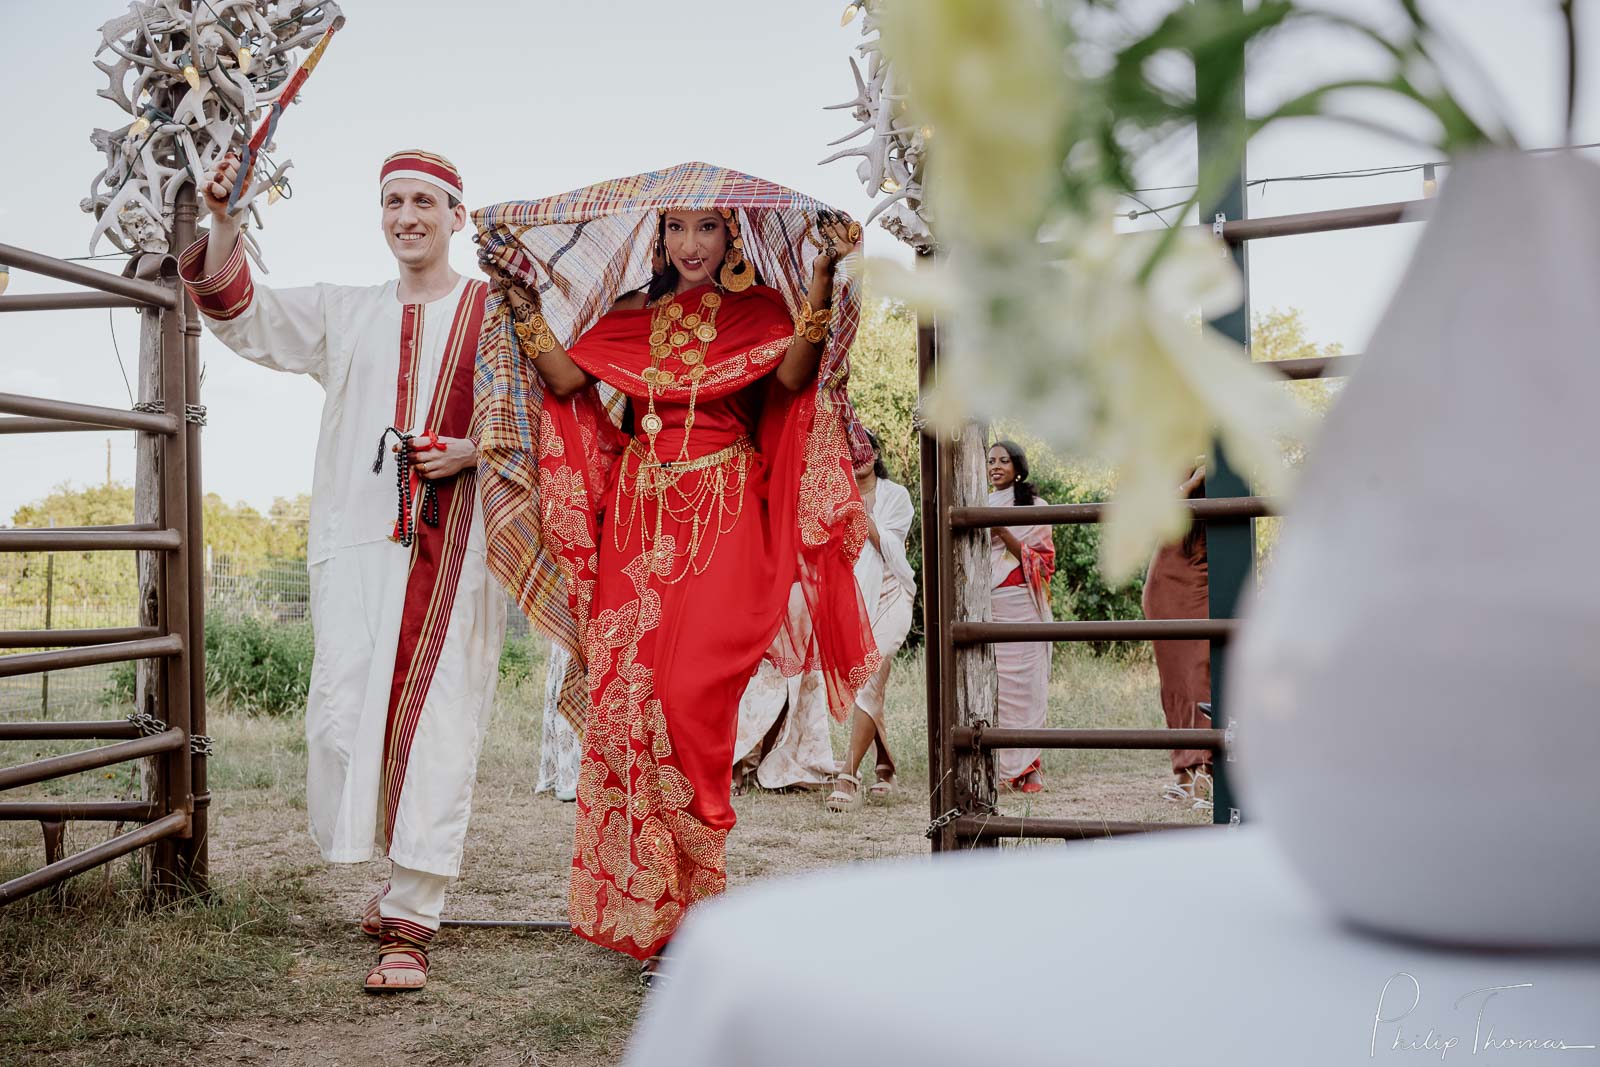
{"type": "Point", "coordinates": [423, 166]}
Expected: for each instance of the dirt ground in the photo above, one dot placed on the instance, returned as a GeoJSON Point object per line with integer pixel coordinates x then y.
{"type": "Point", "coordinates": [267, 970]}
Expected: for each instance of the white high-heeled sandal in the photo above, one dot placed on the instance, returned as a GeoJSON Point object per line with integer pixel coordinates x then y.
{"type": "Point", "coordinates": [841, 801]}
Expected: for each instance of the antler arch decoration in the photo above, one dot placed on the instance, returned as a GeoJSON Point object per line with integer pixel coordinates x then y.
{"type": "Point", "coordinates": [194, 79]}
{"type": "Point", "coordinates": [892, 154]}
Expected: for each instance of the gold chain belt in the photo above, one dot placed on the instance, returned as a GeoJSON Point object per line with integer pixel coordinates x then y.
{"type": "Point", "coordinates": [641, 450]}
{"type": "Point", "coordinates": [710, 508]}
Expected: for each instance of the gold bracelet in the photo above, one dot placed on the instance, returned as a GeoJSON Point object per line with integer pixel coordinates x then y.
{"type": "Point", "coordinates": [813, 324]}
{"type": "Point", "coordinates": [534, 336]}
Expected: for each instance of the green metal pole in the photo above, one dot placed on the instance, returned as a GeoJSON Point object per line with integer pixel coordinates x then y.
{"type": "Point", "coordinates": [1230, 543]}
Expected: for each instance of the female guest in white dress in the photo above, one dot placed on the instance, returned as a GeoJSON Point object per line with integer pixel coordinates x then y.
{"type": "Point", "coordinates": [1023, 558]}
{"type": "Point", "coordinates": [560, 747]}
{"type": "Point", "coordinates": [888, 588]}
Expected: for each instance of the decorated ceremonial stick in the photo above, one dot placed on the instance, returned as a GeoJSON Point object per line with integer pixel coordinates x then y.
{"type": "Point", "coordinates": [265, 131]}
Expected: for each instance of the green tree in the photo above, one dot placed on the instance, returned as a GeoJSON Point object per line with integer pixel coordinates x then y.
{"type": "Point", "coordinates": [79, 581]}
{"type": "Point", "coordinates": [883, 388]}
{"type": "Point", "coordinates": [240, 530]}
{"type": "Point", "coordinates": [97, 505]}
{"type": "Point", "coordinates": [1276, 335]}
{"type": "Point", "coordinates": [883, 384]}
{"type": "Point", "coordinates": [74, 580]}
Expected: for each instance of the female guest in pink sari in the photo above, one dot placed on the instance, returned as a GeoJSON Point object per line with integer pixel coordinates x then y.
{"type": "Point", "coordinates": [1023, 558]}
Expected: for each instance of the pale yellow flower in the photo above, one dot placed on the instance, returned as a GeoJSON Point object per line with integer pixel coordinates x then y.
{"type": "Point", "coordinates": [1166, 386]}
{"type": "Point", "coordinates": [991, 78]}
{"type": "Point", "coordinates": [1067, 340]}
{"type": "Point", "coordinates": [1064, 335]}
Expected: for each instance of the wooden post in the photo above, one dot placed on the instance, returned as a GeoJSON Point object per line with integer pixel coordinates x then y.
{"type": "Point", "coordinates": [972, 669]}
{"type": "Point", "coordinates": [963, 685]}
{"type": "Point", "coordinates": [54, 849]}
{"type": "Point", "coordinates": [170, 877]}
{"type": "Point", "coordinates": [147, 698]}
{"type": "Point", "coordinates": [161, 494]}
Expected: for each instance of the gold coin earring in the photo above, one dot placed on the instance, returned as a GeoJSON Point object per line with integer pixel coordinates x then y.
{"type": "Point", "coordinates": [736, 274]}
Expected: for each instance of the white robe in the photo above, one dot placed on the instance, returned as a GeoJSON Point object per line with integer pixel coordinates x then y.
{"type": "Point", "coordinates": [802, 752]}
{"type": "Point", "coordinates": [347, 338]}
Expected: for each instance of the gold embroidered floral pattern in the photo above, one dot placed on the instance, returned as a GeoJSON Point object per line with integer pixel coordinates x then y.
{"type": "Point", "coordinates": [651, 832]}
{"type": "Point", "coordinates": [640, 857]}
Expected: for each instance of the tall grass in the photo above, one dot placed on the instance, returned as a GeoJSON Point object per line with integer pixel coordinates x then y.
{"type": "Point", "coordinates": [251, 665]}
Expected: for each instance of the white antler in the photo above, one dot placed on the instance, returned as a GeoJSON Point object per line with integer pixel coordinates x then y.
{"type": "Point", "coordinates": [893, 150]}
{"type": "Point", "coordinates": [241, 53]}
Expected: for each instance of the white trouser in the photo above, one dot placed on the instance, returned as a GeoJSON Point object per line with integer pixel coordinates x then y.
{"type": "Point", "coordinates": [415, 898]}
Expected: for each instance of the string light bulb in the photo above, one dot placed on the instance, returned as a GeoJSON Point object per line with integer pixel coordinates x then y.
{"type": "Point", "coordinates": [140, 124]}
{"type": "Point", "coordinates": [246, 58]}
{"type": "Point", "coordinates": [274, 193]}
{"type": "Point", "coordinates": [890, 186]}
{"type": "Point", "coordinates": [1430, 181]}
{"type": "Point", "coordinates": [927, 133]}
{"type": "Point", "coordinates": [191, 73]}
{"type": "Point", "coordinates": [5, 278]}
{"type": "Point", "coordinates": [849, 14]}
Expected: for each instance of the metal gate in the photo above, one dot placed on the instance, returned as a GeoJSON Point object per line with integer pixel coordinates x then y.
{"type": "Point", "coordinates": [960, 665]}
{"type": "Point", "coordinates": [169, 722]}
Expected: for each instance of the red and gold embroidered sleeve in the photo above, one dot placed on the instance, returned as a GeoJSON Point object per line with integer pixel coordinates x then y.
{"type": "Point", "coordinates": [227, 293]}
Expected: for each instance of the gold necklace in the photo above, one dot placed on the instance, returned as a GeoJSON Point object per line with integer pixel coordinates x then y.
{"type": "Point", "coordinates": [713, 505]}
{"type": "Point", "coordinates": [671, 330]}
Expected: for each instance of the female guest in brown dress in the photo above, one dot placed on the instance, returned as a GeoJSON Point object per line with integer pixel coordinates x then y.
{"type": "Point", "coordinates": [1176, 588]}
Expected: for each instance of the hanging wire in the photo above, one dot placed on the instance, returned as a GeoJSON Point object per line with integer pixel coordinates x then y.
{"type": "Point", "coordinates": [1327, 175]}
{"type": "Point", "coordinates": [112, 322]}
{"type": "Point", "coordinates": [1148, 210]}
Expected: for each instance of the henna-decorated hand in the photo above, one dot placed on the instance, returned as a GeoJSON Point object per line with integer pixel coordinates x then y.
{"type": "Point", "coordinates": [499, 264]}
{"type": "Point", "coordinates": [837, 236]}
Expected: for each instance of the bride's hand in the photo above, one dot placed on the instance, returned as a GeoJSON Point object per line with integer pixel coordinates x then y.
{"type": "Point", "coordinates": [838, 236]}
{"type": "Point", "coordinates": [499, 265]}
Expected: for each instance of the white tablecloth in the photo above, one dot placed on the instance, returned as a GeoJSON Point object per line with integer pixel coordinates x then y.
{"type": "Point", "coordinates": [1188, 948]}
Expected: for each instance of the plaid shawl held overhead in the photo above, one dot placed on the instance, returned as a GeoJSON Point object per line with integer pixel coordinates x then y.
{"type": "Point", "coordinates": [581, 251]}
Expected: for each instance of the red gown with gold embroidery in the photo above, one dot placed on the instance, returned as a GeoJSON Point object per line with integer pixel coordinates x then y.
{"type": "Point", "coordinates": [680, 557]}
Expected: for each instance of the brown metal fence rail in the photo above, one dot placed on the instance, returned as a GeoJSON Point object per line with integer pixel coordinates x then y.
{"type": "Point", "coordinates": [168, 727]}
{"type": "Point", "coordinates": [961, 737]}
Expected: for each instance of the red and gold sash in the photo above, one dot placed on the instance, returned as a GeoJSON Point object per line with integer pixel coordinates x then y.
{"type": "Point", "coordinates": [438, 552]}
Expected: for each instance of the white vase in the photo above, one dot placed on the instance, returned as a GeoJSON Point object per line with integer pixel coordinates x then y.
{"type": "Point", "coordinates": [1418, 682]}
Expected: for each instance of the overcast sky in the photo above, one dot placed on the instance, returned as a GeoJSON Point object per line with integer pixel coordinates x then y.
{"type": "Point", "coordinates": [536, 98]}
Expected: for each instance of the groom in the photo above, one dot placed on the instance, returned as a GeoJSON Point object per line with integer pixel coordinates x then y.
{"type": "Point", "coordinates": [408, 622]}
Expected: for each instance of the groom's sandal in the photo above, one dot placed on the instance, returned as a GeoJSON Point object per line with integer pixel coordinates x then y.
{"type": "Point", "coordinates": [402, 958]}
